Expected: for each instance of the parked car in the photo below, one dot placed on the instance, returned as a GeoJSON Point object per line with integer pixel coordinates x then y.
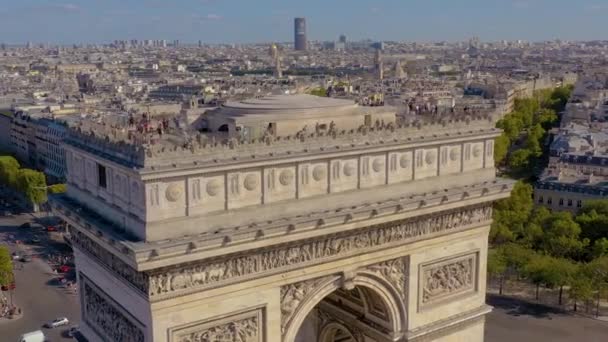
{"type": "Point", "coordinates": [58, 322]}
{"type": "Point", "coordinates": [7, 213]}
{"type": "Point", "coordinates": [64, 269]}
{"type": "Point", "coordinates": [51, 229]}
{"type": "Point", "coordinates": [34, 240]}
{"type": "Point", "coordinates": [10, 286]}
{"type": "Point", "coordinates": [26, 258]}
{"type": "Point", "coordinates": [34, 336]}
{"type": "Point", "coordinates": [72, 331]}
{"type": "Point", "coordinates": [16, 256]}
{"type": "Point", "coordinates": [25, 225]}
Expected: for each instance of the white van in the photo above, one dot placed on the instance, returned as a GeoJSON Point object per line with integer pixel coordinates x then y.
{"type": "Point", "coordinates": [34, 336]}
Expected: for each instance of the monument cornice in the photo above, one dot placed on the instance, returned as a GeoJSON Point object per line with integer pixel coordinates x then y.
{"type": "Point", "coordinates": [328, 151]}
{"type": "Point", "coordinates": [147, 256]}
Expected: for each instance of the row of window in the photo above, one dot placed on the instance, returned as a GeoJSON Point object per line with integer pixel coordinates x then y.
{"type": "Point", "coordinates": [579, 203]}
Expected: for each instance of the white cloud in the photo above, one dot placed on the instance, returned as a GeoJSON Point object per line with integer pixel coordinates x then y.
{"type": "Point", "coordinates": [68, 7]}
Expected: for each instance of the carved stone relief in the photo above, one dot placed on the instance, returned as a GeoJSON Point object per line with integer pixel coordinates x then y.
{"type": "Point", "coordinates": [213, 187]}
{"type": "Point", "coordinates": [286, 177]}
{"type": "Point", "coordinates": [102, 314]}
{"type": "Point", "coordinates": [281, 258]}
{"type": "Point", "coordinates": [174, 192]}
{"type": "Point", "coordinates": [293, 295]}
{"type": "Point", "coordinates": [244, 327]}
{"type": "Point", "coordinates": [448, 278]}
{"type": "Point", "coordinates": [251, 182]}
{"type": "Point", "coordinates": [378, 165]}
{"type": "Point", "coordinates": [404, 161]}
{"type": "Point", "coordinates": [318, 173]}
{"type": "Point", "coordinates": [454, 154]}
{"type": "Point", "coordinates": [395, 272]}
{"type": "Point", "coordinates": [349, 169]}
{"type": "Point", "coordinates": [430, 157]}
{"type": "Point", "coordinates": [118, 267]}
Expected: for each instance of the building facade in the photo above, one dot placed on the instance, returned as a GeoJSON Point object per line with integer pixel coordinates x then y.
{"type": "Point", "coordinates": [377, 233]}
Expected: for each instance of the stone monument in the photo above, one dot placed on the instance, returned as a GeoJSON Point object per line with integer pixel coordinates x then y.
{"type": "Point", "coordinates": [325, 222]}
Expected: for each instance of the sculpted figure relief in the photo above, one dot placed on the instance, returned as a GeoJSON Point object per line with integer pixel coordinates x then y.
{"type": "Point", "coordinates": [394, 271]}
{"type": "Point", "coordinates": [317, 250]}
{"type": "Point", "coordinates": [107, 320]}
{"type": "Point", "coordinates": [449, 278]}
{"type": "Point", "coordinates": [274, 260]}
{"type": "Point", "coordinates": [243, 330]}
{"type": "Point", "coordinates": [293, 295]}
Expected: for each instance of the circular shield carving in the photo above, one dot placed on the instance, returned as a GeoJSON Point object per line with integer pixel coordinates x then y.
{"type": "Point", "coordinates": [378, 165]}
{"type": "Point", "coordinates": [404, 161]}
{"type": "Point", "coordinates": [349, 169]}
{"type": "Point", "coordinates": [454, 154]}
{"type": "Point", "coordinates": [476, 151]}
{"type": "Point", "coordinates": [213, 187]}
{"type": "Point", "coordinates": [318, 173]}
{"type": "Point", "coordinates": [251, 182]}
{"type": "Point", "coordinates": [173, 192]}
{"type": "Point", "coordinates": [286, 177]}
{"type": "Point", "coordinates": [430, 157]}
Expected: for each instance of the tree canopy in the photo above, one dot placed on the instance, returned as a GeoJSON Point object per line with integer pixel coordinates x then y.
{"type": "Point", "coordinates": [33, 185]}
{"type": "Point", "coordinates": [6, 266]}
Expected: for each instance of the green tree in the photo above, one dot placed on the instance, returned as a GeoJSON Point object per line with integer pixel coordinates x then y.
{"type": "Point", "coordinates": [520, 159]}
{"type": "Point", "coordinates": [322, 92]}
{"type": "Point", "coordinates": [501, 148]}
{"type": "Point", "coordinates": [33, 185]}
{"type": "Point", "coordinates": [560, 273]}
{"type": "Point", "coordinates": [6, 266]}
{"type": "Point", "coordinates": [561, 236]}
{"type": "Point", "coordinates": [546, 117]}
{"type": "Point", "coordinates": [536, 270]}
{"type": "Point", "coordinates": [512, 126]}
{"type": "Point", "coordinates": [57, 189]}
{"type": "Point", "coordinates": [497, 266]}
{"type": "Point", "coordinates": [581, 289]}
{"type": "Point", "coordinates": [9, 167]}
{"type": "Point", "coordinates": [511, 215]}
{"type": "Point", "coordinates": [593, 219]}
{"type": "Point", "coordinates": [600, 248]}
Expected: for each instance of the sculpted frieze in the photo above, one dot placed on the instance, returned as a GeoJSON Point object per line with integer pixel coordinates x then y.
{"type": "Point", "coordinates": [243, 330]}
{"type": "Point", "coordinates": [277, 259]}
{"type": "Point", "coordinates": [137, 279]}
{"type": "Point", "coordinates": [446, 279]}
{"type": "Point", "coordinates": [106, 319]}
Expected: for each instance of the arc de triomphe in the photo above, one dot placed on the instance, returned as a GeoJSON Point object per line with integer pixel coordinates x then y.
{"type": "Point", "coordinates": [344, 224]}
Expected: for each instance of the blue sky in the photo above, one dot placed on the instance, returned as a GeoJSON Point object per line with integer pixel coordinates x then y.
{"type": "Point", "coordinates": [236, 21]}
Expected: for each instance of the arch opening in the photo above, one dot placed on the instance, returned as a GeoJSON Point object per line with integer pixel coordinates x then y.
{"type": "Point", "coordinates": [339, 314]}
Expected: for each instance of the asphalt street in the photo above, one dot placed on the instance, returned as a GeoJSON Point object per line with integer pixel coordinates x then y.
{"type": "Point", "coordinates": [40, 296]}
{"type": "Point", "coordinates": [514, 320]}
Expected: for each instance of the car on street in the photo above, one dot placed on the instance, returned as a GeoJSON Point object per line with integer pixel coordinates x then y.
{"type": "Point", "coordinates": [64, 269]}
{"type": "Point", "coordinates": [7, 213]}
{"type": "Point", "coordinates": [10, 286]}
{"type": "Point", "coordinates": [72, 331]}
{"type": "Point", "coordinates": [35, 240]}
{"type": "Point", "coordinates": [25, 225]}
{"type": "Point", "coordinates": [26, 258]}
{"type": "Point", "coordinates": [58, 322]}
{"type": "Point", "coordinates": [51, 229]}
{"type": "Point", "coordinates": [16, 256]}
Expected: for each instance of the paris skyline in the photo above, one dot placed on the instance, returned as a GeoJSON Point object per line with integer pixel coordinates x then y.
{"type": "Point", "coordinates": [223, 21]}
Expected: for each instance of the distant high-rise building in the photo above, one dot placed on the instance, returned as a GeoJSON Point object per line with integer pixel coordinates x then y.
{"type": "Point", "coordinates": [276, 59]}
{"type": "Point", "coordinates": [378, 64]}
{"type": "Point", "coordinates": [176, 43]}
{"type": "Point", "coordinates": [300, 41]}
{"type": "Point", "coordinates": [200, 43]}
{"type": "Point", "coordinates": [342, 39]}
